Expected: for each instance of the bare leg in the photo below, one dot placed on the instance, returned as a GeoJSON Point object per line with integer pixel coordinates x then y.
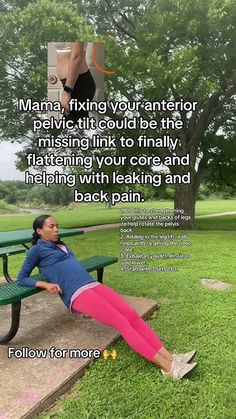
{"type": "Point", "coordinates": [162, 362]}
{"type": "Point", "coordinates": [163, 351]}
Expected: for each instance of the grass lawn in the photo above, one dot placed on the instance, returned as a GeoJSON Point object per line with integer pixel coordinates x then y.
{"type": "Point", "coordinates": [189, 316]}
{"type": "Point", "coordinates": [94, 214]}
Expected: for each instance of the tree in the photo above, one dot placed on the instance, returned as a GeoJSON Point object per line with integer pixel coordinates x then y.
{"type": "Point", "coordinates": [3, 190]}
{"type": "Point", "coordinates": [24, 36]}
{"type": "Point", "coordinates": [160, 50]}
{"type": "Point", "coordinates": [179, 49]}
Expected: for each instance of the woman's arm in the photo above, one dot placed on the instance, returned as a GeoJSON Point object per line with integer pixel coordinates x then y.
{"type": "Point", "coordinates": [31, 261]}
{"type": "Point", "coordinates": [76, 58]}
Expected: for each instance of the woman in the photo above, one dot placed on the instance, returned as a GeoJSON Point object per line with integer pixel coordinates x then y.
{"type": "Point", "coordinates": [81, 293]}
{"type": "Point", "coordinates": [76, 78]}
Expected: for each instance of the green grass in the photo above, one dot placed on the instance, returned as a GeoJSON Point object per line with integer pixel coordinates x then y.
{"type": "Point", "coordinates": [189, 316]}
{"type": "Point", "coordinates": [217, 223]}
{"type": "Point", "coordinates": [215, 206]}
{"type": "Point", "coordinates": [94, 214]}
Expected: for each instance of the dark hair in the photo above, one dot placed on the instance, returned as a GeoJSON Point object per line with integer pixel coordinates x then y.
{"type": "Point", "coordinates": [38, 223]}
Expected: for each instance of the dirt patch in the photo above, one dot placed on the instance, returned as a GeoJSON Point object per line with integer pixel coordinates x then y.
{"type": "Point", "coordinates": [215, 284]}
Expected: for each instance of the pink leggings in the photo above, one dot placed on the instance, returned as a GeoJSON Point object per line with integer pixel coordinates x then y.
{"type": "Point", "coordinates": [108, 307]}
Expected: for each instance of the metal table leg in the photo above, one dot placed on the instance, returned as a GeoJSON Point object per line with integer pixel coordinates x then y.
{"type": "Point", "coordinates": [100, 274]}
{"type": "Point", "coordinates": [15, 307]}
{"type": "Point", "coordinates": [5, 269]}
{"type": "Point", "coordinates": [15, 321]}
{"type": "Point", "coordinates": [5, 265]}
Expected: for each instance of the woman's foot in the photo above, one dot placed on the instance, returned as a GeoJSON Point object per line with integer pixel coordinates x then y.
{"type": "Point", "coordinates": [184, 358]}
{"type": "Point", "coordinates": [179, 370]}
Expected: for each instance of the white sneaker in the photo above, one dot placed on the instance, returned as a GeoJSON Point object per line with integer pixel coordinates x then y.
{"type": "Point", "coordinates": [179, 370]}
{"type": "Point", "coordinates": [184, 358]}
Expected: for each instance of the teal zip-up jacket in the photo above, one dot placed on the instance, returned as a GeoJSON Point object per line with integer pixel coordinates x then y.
{"type": "Point", "coordinates": [55, 265]}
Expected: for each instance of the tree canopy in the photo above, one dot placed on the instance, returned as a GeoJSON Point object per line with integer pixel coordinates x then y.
{"type": "Point", "coordinates": [25, 33]}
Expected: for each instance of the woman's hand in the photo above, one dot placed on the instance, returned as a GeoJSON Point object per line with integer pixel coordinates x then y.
{"type": "Point", "coordinates": [53, 288]}
{"type": "Point", "coordinates": [66, 97]}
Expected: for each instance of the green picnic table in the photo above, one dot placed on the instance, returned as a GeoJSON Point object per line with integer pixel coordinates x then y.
{"type": "Point", "coordinates": [16, 242]}
{"type": "Point", "coordinates": [21, 237]}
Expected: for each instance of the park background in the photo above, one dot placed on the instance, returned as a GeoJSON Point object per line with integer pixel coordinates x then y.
{"type": "Point", "coordinates": [163, 49]}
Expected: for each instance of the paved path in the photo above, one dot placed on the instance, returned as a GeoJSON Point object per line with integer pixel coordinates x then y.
{"type": "Point", "coordinates": [100, 227]}
{"type": "Point", "coordinates": [116, 225]}
{"type": "Point", "coordinates": [219, 214]}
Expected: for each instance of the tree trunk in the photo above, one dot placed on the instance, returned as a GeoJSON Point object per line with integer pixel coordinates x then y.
{"type": "Point", "coordinates": [108, 204]}
{"type": "Point", "coordinates": [185, 202]}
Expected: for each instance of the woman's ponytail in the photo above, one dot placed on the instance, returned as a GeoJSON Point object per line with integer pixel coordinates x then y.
{"type": "Point", "coordinates": [35, 238]}
{"type": "Point", "coordinates": [38, 223]}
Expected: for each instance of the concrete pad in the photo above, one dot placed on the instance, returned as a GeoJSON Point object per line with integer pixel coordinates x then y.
{"type": "Point", "coordinates": [28, 385]}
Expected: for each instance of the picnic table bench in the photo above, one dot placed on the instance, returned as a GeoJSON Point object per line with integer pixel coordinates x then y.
{"type": "Point", "coordinates": [12, 293]}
